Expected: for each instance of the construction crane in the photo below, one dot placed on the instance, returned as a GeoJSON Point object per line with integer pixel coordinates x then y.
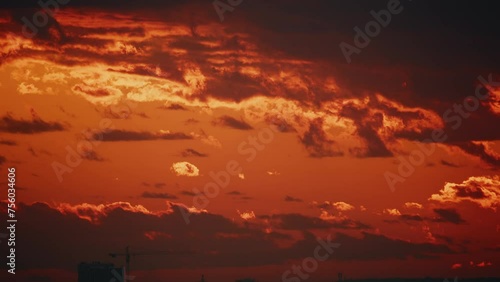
{"type": "Point", "coordinates": [128, 254]}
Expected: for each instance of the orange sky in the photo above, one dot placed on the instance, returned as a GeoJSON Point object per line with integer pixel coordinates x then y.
{"type": "Point", "coordinates": [117, 118]}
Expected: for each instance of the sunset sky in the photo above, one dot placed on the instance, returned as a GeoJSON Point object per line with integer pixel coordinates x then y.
{"type": "Point", "coordinates": [244, 136]}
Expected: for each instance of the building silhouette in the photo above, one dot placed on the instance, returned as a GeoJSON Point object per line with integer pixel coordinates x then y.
{"type": "Point", "coordinates": [100, 272]}
{"type": "Point", "coordinates": [245, 280]}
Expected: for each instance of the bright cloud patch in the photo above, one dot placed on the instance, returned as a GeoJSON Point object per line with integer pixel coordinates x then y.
{"type": "Point", "coordinates": [25, 88]}
{"type": "Point", "coordinates": [246, 215]}
{"type": "Point", "coordinates": [482, 190]}
{"type": "Point", "coordinates": [185, 169]}
{"type": "Point", "coordinates": [93, 213]}
{"type": "Point", "coordinates": [394, 212]}
{"type": "Point", "coordinates": [343, 206]}
{"type": "Point", "coordinates": [339, 206]}
{"type": "Point", "coordinates": [413, 205]}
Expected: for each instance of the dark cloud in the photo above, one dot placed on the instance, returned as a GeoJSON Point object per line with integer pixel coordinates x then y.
{"type": "Point", "coordinates": [444, 238]}
{"type": "Point", "coordinates": [8, 142]}
{"type": "Point", "coordinates": [470, 129]}
{"type": "Point", "coordinates": [379, 247]}
{"type": "Point", "coordinates": [294, 221]}
{"type": "Point", "coordinates": [232, 123]}
{"type": "Point", "coordinates": [316, 31]}
{"type": "Point", "coordinates": [317, 142]}
{"type": "Point", "coordinates": [443, 215]}
{"type": "Point", "coordinates": [160, 185]}
{"type": "Point", "coordinates": [49, 33]}
{"type": "Point", "coordinates": [117, 112]}
{"type": "Point", "coordinates": [191, 121]}
{"type": "Point", "coordinates": [324, 205]}
{"type": "Point", "coordinates": [237, 245]}
{"type": "Point", "coordinates": [106, 4]}
{"type": "Point", "coordinates": [448, 215]}
{"type": "Point", "coordinates": [91, 155]}
{"type": "Point", "coordinates": [124, 135]}
{"type": "Point", "coordinates": [76, 238]}
{"type": "Point", "coordinates": [91, 91]}
{"type": "Point", "coordinates": [281, 124]}
{"type": "Point", "coordinates": [367, 126]}
{"type": "Point", "coordinates": [188, 193]}
{"type": "Point", "coordinates": [473, 191]}
{"type": "Point", "coordinates": [406, 218]}
{"type": "Point", "coordinates": [325, 24]}
{"type": "Point", "coordinates": [192, 153]}
{"type": "Point", "coordinates": [153, 71]}
{"type": "Point", "coordinates": [142, 115]}
{"type": "Point", "coordinates": [480, 150]}
{"type": "Point", "coordinates": [11, 125]}
{"type": "Point", "coordinates": [239, 195]}
{"type": "Point", "coordinates": [128, 31]}
{"type": "Point", "coordinates": [174, 107]}
{"type": "Point", "coordinates": [411, 217]}
{"type": "Point", "coordinates": [292, 199]}
{"type": "Point", "coordinates": [234, 86]}
{"type": "Point", "coordinates": [493, 249]}
{"type": "Point", "coordinates": [192, 44]}
{"type": "Point", "coordinates": [155, 195]}
{"type": "Point", "coordinates": [446, 163]}
{"type": "Point", "coordinates": [32, 152]}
